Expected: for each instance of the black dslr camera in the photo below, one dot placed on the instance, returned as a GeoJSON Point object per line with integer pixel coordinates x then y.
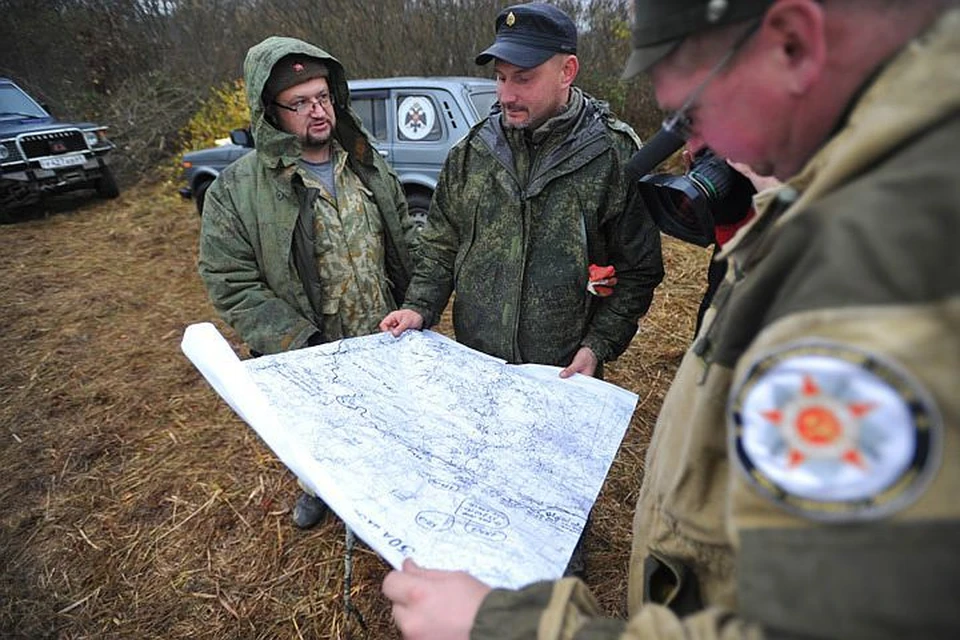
{"type": "Point", "coordinates": [690, 206]}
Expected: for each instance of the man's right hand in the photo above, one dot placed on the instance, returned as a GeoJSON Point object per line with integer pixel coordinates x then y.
{"type": "Point", "coordinates": [432, 604]}
{"type": "Point", "coordinates": [399, 321]}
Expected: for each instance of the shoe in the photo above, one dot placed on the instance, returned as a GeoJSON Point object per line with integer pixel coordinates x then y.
{"type": "Point", "coordinates": [308, 511]}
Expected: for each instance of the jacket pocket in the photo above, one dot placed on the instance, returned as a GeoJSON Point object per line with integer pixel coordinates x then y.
{"type": "Point", "coordinates": [371, 212]}
{"type": "Point", "coordinates": [671, 583]}
{"type": "Point", "coordinates": [466, 244]}
{"type": "Point", "coordinates": [332, 325]}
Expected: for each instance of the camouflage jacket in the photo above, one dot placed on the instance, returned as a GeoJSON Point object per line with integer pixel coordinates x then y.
{"type": "Point", "coordinates": [803, 476]}
{"type": "Point", "coordinates": [513, 226]}
{"type": "Point", "coordinates": [247, 241]}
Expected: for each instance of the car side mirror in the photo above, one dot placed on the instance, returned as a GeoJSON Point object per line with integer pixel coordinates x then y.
{"type": "Point", "coordinates": [241, 137]}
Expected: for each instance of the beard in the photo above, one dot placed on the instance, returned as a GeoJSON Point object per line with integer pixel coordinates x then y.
{"type": "Point", "coordinates": [317, 141]}
{"type": "Point", "coordinates": [530, 122]}
{"type": "Point", "coordinates": [514, 124]}
{"type": "Point", "coordinates": [518, 125]}
{"type": "Point", "coordinates": [318, 137]}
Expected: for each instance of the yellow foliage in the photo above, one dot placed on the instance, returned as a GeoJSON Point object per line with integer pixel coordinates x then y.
{"type": "Point", "coordinates": [621, 30]}
{"type": "Point", "coordinates": [224, 110]}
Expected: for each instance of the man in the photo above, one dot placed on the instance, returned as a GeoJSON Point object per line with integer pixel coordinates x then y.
{"type": "Point", "coordinates": [705, 206]}
{"type": "Point", "coordinates": [305, 240]}
{"type": "Point", "coordinates": [528, 221]}
{"type": "Point", "coordinates": [804, 473]}
{"type": "Point", "coordinates": [526, 202]}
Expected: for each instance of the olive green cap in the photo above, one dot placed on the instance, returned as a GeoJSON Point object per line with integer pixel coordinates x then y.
{"type": "Point", "coordinates": [660, 26]}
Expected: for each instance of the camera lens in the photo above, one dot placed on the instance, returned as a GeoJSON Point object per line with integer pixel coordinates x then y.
{"type": "Point", "coordinates": [678, 207]}
{"type": "Point", "coordinates": [689, 206]}
{"type": "Point", "coordinates": [729, 192]}
{"type": "Point", "coordinates": [712, 175]}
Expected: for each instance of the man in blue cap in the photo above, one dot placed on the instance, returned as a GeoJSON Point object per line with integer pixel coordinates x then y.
{"type": "Point", "coordinates": [529, 36]}
{"type": "Point", "coordinates": [531, 196]}
{"type": "Point", "coordinates": [528, 223]}
{"type": "Point", "coordinates": [803, 476]}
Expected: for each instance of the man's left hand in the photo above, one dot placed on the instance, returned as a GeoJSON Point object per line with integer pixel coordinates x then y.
{"type": "Point", "coordinates": [433, 605]}
{"type": "Point", "coordinates": [584, 362]}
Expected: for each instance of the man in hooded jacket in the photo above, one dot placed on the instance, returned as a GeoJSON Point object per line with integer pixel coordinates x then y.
{"type": "Point", "coordinates": [307, 239]}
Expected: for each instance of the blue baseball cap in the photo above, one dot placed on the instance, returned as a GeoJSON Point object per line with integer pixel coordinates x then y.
{"type": "Point", "coordinates": [530, 34]}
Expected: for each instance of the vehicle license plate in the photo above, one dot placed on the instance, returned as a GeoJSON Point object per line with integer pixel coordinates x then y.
{"type": "Point", "coordinates": [58, 162]}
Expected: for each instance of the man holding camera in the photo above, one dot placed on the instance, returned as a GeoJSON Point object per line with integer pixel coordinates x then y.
{"type": "Point", "coordinates": [804, 472]}
{"type": "Point", "coordinates": [705, 206]}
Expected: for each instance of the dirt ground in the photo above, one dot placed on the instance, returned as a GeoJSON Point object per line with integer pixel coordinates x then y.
{"type": "Point", "coordinates": [135, 504]}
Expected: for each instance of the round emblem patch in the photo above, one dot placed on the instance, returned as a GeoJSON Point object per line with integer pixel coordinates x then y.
{"type": "Point", "coordinates": [416, 117]}
{"type": "Point", "coordinates": [833, 432]}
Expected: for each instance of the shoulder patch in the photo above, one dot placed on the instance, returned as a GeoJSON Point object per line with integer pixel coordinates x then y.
{"type": "Point", "coordinates": [834, 433]}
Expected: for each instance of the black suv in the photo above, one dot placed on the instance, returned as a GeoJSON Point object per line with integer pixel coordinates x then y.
{"type": "Point", "coordinates": [413, 121]}
{"type": "Point", "coordinates": [39, 154]}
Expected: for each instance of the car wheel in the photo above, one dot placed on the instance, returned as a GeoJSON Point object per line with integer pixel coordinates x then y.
{"type": "Point", "coordinates": [106, 184]}
{"type": "Point", "coordinates": [418, 204]}
{"type": "Point", "coordinates": [200, 193]}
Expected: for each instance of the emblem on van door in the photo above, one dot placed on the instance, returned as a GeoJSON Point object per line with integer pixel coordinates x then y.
{"type": "Point", "coordinates": [416, 117]}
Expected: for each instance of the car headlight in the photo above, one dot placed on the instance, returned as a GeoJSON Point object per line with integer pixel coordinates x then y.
{"type": "Point", "coordinates": [92, 138]}
{"type": "Point", "coordinates": [4, 152]}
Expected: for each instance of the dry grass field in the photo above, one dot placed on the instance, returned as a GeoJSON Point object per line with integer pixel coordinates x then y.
{"type": "Point", "coordinates": [135, 504]}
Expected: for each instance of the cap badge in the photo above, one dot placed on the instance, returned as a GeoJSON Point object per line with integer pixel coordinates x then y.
{"type": "Point", "coordinates": [716, 9]}
{"type": "Point", "coordinates": [298, 67]}
{"type": "Point", "coordinates": [510, 19]}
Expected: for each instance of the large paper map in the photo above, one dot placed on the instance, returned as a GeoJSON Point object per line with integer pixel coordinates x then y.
{"type": "Point", "coordinates": [428, 449]}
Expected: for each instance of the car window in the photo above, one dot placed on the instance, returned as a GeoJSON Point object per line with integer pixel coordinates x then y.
{"type": "Point", "coordinates": [417, 118]}
{"type": "Point", "coordinates": [482, 101]}
{"type": "Point", "coordinates": [13, 101]}
{"type": "Point", "coordinates": [372, 109]}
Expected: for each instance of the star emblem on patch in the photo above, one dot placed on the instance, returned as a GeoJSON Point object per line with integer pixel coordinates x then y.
{"type": "Point", "coordinates": [819, 427]}
{"type": "Point", "coordinates": [833, 432]}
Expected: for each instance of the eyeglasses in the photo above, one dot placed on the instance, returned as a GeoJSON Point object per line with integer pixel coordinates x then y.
{"type": "Point", "coordinates": [679, 122]}
{"type": "Point", "coordinates": [304, 106]}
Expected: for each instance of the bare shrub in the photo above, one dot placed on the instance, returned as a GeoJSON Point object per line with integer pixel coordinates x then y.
{"type": "Point", "coordinates": [144, 67]}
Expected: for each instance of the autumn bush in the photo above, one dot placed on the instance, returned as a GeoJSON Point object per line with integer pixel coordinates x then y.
{"type": "Point", "coordinates": [223, 110]}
